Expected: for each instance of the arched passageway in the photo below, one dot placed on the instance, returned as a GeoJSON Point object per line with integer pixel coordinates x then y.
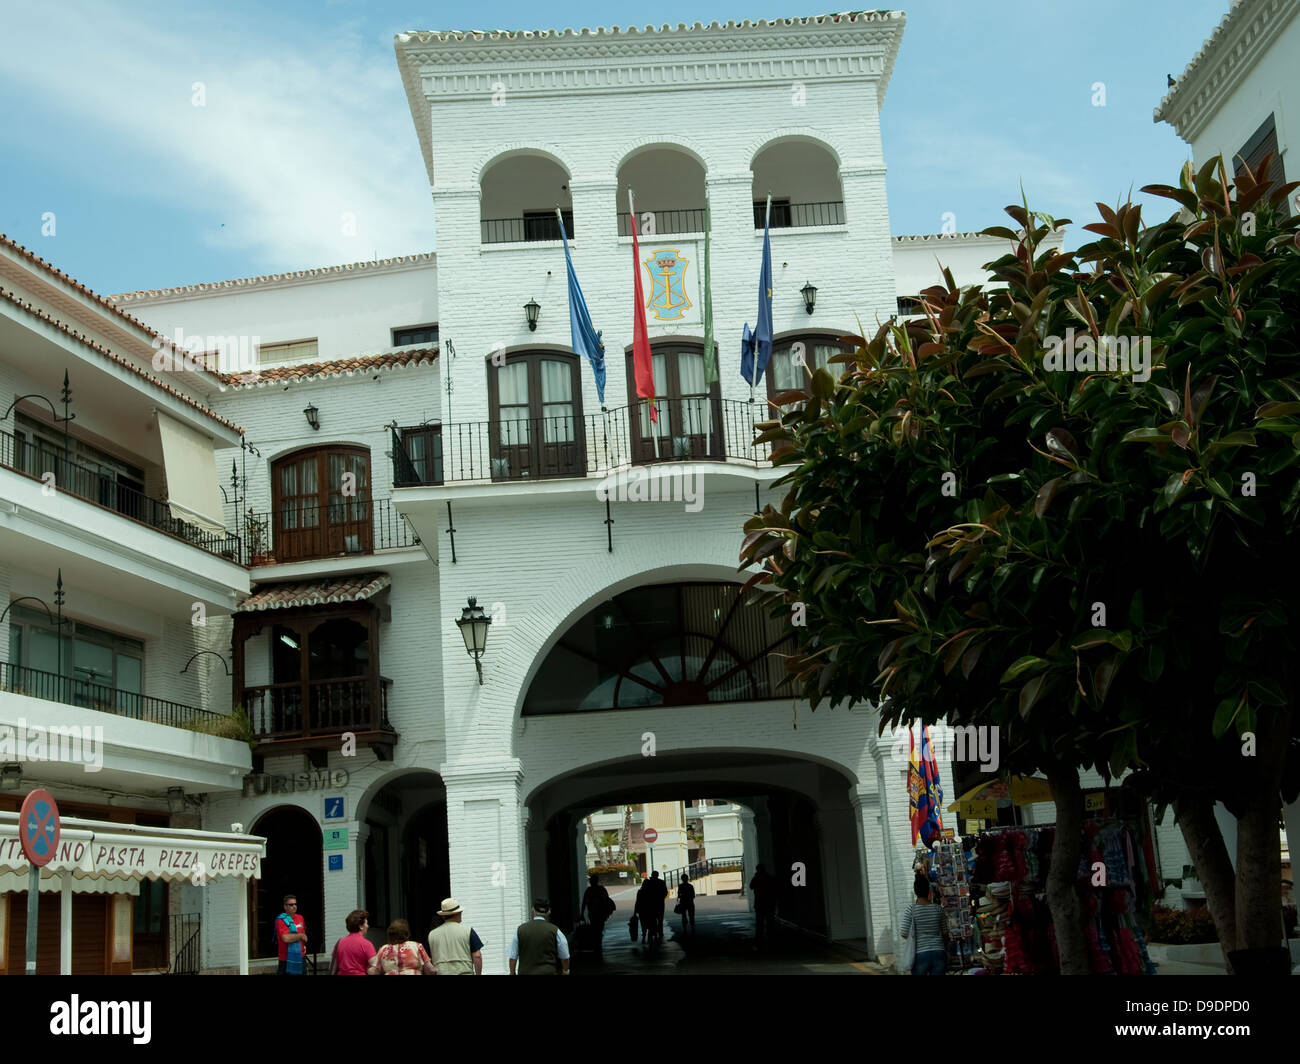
{"type": "Point", "coordinates": [292, 866]}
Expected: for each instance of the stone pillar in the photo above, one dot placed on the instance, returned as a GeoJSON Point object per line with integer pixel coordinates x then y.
{"type": "Point", "coordinates": [880, 896]}
{"type": "Point", "coordinates": [488, 866]}
{"type": "Point", "coordinates": [749, 837]}
{"type": "Point", "coordinates": [844, 885]}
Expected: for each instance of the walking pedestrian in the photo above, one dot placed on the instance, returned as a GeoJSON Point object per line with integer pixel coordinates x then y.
{"type": "Point", "coordinates": [763, 886]}
{"type": "Point", "coordinates": [539, 947]}
{"type": "Point", "coordinates": [686, 902]}
{"type": "Point", "coordinates": [656, 895]}
{"type": "Point", "coordinates": [290, 937]}
{"type": "Point", "coordinates": [931, 926]}
{"type": "Point", "coordinates": [401, 956]}
{"type": "Point", "coordinates": [598, 907]}
{"type": "Point", "coordinates": [454, 947]}
{"type": "Point", "coordinates": [353, 951]}
{"type": "Point", "coordinates": [644, 910]}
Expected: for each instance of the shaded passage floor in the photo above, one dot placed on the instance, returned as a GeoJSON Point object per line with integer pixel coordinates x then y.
{"type": "Point", "coordinates": [723, 944]}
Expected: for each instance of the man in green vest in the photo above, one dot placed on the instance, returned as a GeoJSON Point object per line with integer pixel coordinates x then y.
{"type": "Point", "coordinates": [539, 947]}
{"type": "Point", "coordinates": [455, 948]}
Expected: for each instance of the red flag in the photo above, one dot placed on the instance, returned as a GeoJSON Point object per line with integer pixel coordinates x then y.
{"type": "Point", "coordinates": [642, 365]}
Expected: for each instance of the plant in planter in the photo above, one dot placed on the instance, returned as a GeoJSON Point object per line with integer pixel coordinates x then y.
{"type": "Point", "coordinates": [258, 539]}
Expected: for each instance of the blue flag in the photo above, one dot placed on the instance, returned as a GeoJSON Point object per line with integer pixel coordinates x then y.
{"type": "Point", "coordinates": [756, 345]}
{"type": "Point", "coordinates": [583, 335]}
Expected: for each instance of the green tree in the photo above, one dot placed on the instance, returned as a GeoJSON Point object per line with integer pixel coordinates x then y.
{"type": "Point", "coordinates": [1086, 559]}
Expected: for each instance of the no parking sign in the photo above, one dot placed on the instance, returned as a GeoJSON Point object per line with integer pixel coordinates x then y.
{"type": "Point", "coordinates": [38, 828]}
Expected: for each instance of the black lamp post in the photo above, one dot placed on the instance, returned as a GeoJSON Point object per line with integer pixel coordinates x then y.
{"type": "Point", "coordinates": [313, 416]}
{"type": "Point", "coordinates": [809, 292]}
{"type": "Point", "coordinates": [531, 309]}
{"type": "Point", "coordinates": [473, 623]}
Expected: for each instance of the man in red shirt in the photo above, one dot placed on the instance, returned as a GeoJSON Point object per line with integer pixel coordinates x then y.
{"type": "Point", "coordinates": [283, 938]}
{"type": "Point", "coordinates": [352, 953]}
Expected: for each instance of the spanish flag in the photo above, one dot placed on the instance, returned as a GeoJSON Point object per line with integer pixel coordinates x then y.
{"type": "Point", "coordinates": [642, 365]}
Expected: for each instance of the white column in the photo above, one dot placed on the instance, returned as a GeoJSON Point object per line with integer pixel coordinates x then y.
{"type": "Point", "coordinates": [241, 922]}
{"type": "Point", "coordinates": [485, 851]}
{"type": "Point", "coordinates": [749, 837]}
{"type": "Point", "coordinates": [65, 925]}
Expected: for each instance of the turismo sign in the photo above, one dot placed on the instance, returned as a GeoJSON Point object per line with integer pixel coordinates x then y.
{"type": "Point", "coordinates": [321, 779]}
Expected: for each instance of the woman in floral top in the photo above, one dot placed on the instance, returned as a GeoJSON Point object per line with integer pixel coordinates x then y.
{"type": "Point", "coordinates": [401, 956]}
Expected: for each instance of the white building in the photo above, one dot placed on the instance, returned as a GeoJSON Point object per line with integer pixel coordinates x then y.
{"type": "Point", "coordinates": [115, 718]}
{"type": "Point", "coordinates": [406, 442]}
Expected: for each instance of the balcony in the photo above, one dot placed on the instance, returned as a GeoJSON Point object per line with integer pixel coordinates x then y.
{"type": "Point", "coordinates": [530, 228]}
{"type": "Point", "coordinates": [109, 492]}
{"type": "Point", "coordinates": [667, 223]}
{"type": "Point", "coordinates": [787, 215]}
{"type": "Point", "coordinates": [348, 526]}
{"type": "Point", "coordinates": [689, 430]}
{"type": "Point", "coordinates": [51, 687]}
{"type": "Point", "coordinates": [314, 714]}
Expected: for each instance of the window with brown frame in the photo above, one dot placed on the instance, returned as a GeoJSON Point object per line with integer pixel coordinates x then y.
{"type": "Point", "coordinates": [689, 411]}
{"type": "Point", "coordinates": [535, 416]}
{"type": "Point", "coordinates": [1263, 142]}
{"type": "Point", "coordinates": [784, 371]}
{"type": "Point", "coordinates": [321, 500]}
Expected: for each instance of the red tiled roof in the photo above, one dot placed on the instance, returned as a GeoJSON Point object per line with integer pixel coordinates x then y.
{"type": "Point", "coordinates": [352, 588]}
{"type": "Point", "coordinates": [103, 301]}
{"type": "Point", "coordinates": [423, 356]}
{"type": "Point", "coordinates": [112, 356]}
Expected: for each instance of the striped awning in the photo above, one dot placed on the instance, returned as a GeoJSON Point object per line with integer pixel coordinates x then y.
{"type": "Point", "coordinates": [353, 588]}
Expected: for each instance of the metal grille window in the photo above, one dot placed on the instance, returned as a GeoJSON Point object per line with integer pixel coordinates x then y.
{"type": "Point", "coordinates": [101, 669]}
{"type": "Point", "coordinates": [415, 334]}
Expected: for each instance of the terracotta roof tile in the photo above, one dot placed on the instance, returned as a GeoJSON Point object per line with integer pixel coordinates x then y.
{"type": "Point", "coordinates": [112, 356]}
{"type": "Point", "coordinates": [158, 338]}
{"type": "Point", "coordinates": [353, 588]}
{"type": "Point", "coordinates": [317, 273]}
{"type": "Point", "coordinates": [422, 356]}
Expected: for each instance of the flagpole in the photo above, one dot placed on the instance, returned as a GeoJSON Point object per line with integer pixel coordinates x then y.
{"type": "Point", "coordinates": [654, 421]}
{"type": "Point", "coordinates": [753, 367]}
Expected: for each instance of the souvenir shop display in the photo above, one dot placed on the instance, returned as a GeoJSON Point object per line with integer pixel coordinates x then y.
{"type": "Point", "coordinates": [946, 866]}
{"type": "Point", "coordinates": [1015, 924]}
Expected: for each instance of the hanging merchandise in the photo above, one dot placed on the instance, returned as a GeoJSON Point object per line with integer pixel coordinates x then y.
{"type": "Point", "coordinates": [1014, 922]}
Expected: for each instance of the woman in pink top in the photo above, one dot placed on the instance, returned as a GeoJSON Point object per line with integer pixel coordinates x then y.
{"type": "Point", "coordinates": [352, 953]}
{"type": "Point", "coordinates": [401, 956]}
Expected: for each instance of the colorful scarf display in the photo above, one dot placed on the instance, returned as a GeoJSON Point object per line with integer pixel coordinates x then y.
{"type": "Point", "coordinates": [293, 952]}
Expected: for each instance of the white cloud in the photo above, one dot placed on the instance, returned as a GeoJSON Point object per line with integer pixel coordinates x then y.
{"type": "Point", "coordinates": [301, 133]}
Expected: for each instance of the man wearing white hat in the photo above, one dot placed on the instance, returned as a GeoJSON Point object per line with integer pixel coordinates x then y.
{"type": "Point", "coordinates": [455, 948]}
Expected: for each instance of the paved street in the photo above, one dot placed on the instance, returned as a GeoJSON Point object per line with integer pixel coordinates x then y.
{"type": "Point", "coordinates": [723, 944]}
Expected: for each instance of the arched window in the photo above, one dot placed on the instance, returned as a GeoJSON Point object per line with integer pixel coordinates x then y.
{"type": "Point", "coordinates": [664, 645]}
{"type": "Point", "coordinates": [690, 411]}
{"type": "Point", "coordinates": [536, 428]}
{"type": "Point", "coordinates": [322, 503]}
{"type": "Point", "coordinates": [784, 371]}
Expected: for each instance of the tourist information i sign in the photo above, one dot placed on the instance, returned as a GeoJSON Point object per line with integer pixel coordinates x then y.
{"type": "Point", "coordinates": [650, 835]}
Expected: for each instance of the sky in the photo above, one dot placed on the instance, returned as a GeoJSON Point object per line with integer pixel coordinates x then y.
{"type": "Point", "coordinates": [149, 145]}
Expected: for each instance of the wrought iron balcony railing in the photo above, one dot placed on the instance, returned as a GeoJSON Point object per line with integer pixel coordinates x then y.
{"type": "Point", "coordinates": [666, 223]}
{"type": "Point", "coordinates": [344, 526]}
{"type": "Point", "coordinates": [525, 230]}
{"type": "Point", "coordinates": [50, 686]}
{"type": "Point", "coordinates": [795, 215]}
{"type": "Point", "coordinates": [688, 430]}
{"type": "Point", "coordinates": [36, 460]}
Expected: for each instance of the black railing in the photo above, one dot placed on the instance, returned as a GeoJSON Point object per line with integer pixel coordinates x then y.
{"type": "Point", "coordinates": [524, 230]}
{"type": "Point", "coordinates": [185, 944]}
{"type": "Point", "coordinates": [665, 223]}
{"type": "Point", "coordinates": [36, 460]}
{"type": "Point", "coordinates": [698, 869]}
{"type": "Point", "coordinates": [794, 215]}
{"type": "Point", "coordinates": [688, 430]}
{"type": "Point", "coordinates": [275, 711]}
{"type": "Point", "coordinates": [349, 525]}
{"type": "Point", "coordinates": [21, 680]}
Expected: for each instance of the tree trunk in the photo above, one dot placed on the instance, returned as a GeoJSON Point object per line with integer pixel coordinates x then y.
{"type": "Point", "coordinates": [1195, 816]}
{"type": "Point", "coordinates": [1259, 858]}
{"type": "Point", "coordinates": [1062, 891]}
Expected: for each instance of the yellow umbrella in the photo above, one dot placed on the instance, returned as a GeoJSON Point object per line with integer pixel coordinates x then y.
{"type": "Point", "coordinates": [1022, 790]}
